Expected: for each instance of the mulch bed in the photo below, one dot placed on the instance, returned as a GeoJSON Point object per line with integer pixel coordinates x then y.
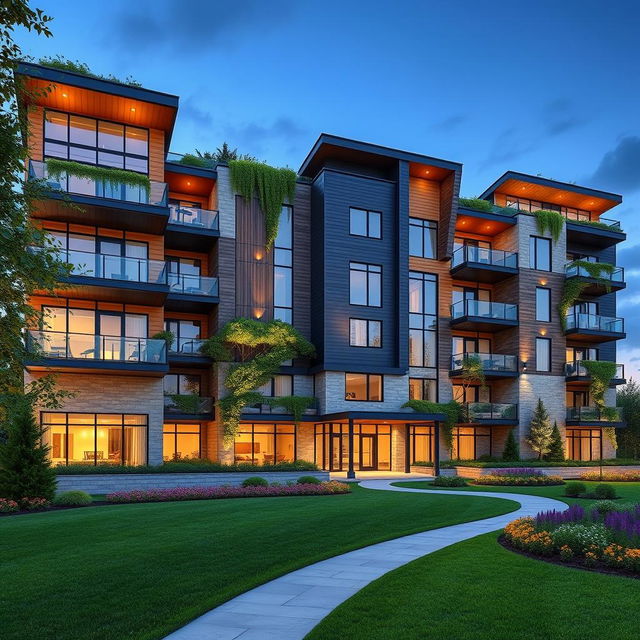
{"type": "Point", "coordinates": [555, 559]}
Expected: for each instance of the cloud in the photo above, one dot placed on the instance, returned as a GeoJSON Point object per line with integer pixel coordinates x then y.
{"type": "Point", "coordinates": [508, 146]}
{"type": "Point", "coordinates": [619, 168]}
{"type": "Point", "coordinates": [558, 118]}
{"type": "Point", "coordinates": [451, 123]}
{"type": "Point", "coordinates": [192, 26]}
{"type": "Point", "coordinates": [629, 258]}
{"type": "Point", "coordinates": [200, 118]}
{"type": "Point", "coordinates": [255, 137]}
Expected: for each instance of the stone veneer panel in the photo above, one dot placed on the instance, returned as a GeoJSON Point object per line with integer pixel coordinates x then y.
{"type": "Point", "coordinates": [226, 203]}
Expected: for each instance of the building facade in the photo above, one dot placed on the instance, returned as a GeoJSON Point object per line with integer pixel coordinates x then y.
{"type": "Point", "coordinates": [376, 262]}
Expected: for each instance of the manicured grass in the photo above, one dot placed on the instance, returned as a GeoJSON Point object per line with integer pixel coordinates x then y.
{"type": "Point", "coordinates": [140, 571]}
{"type": "Point", "coordinates": [476, 590]}
{"type": "Point", "coordinates": [627, 491]}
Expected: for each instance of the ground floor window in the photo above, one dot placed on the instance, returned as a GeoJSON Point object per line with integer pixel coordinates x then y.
{"type": "Point", "coordinates": [421, 441]}
{"type": "Point", "coordinates": [181, 441]}
{"type": "Point", "coordinates": [371, 446]}
{"type": "Point", "coordinates": [469, 443]}
{"type": "Point", "coordinates": [96, 438]}
{"type": "Point", "coordinates": [265, 443]}
{"type": "Point", "coordinates": [584, 444]}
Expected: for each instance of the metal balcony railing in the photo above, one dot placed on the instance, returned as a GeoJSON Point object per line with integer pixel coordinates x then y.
{"type": "Point", "coordinates": [109, 189]}
{"type": "Point", "coordinates": [593, 322]}
{"type": "Point", "coordinates": [490, 257]}
{"type": "Point", "coordinates": [483, 309]}
{"type": "Point", "coordinates": [193, 217]}
{"type": "Point", "coordinates": [269, 409]}
{"type": "Point", "coordinates": [186, 346]}
{"type": "Point", "coordinates": [594, 414]}
{"type": "Point", "coordinates": [617, 275]}
{"type": "Point", "coordinates": [193, 285]}
{"type": "Point", "coordinates": [576, 369]}
{"type": "Point", "coordinates": [187, 404]}
{"type": "Point", "coordinates": [84, 346]}
{"type": "Point", "coordinates": [490, 361]}
{"type": "Point", "coordinates": [474, 411]}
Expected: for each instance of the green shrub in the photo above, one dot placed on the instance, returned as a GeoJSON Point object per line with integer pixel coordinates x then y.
{"type": "Point", "coordinates": [190, 465]}
{"type": "Point", "coordinates": [308, 480]}
{"type": "Point", "coordinates": [449, 481]}
{"type": "Point", "coordinates": [605, 506]}
{"type": "Point", "coordinates": [255, 481]}
{"type": "Point", "coordinates": [575, 489]}
{"type": "Point", "coordinates": [72, 499]}
{"type": "Point", "coordinates": [579, 537]}
{"type": "Point", "coordinates": [475, 203]}
{"type": "Point", "coordinates": [605, 492]}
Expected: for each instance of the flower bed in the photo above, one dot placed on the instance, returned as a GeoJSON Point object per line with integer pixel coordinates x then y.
{"type": "Point", "coordinates": [611, 476]}
{"type": "Point", "coordinates": [499, 463]}
{"type": "Point", "coordinates": [518, 477]}
{"type": "Point", "coordinates": [22, 505]}
{"type": "Point", "coordinates": [606, 536]}
{"type": "Point", "coordinates": [218, 493]}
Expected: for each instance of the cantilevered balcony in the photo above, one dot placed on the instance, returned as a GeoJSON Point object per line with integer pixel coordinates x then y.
{"type": "Point", "coordinates": [106, 203]}
{"type": "Point", "coordinates": [110, 278]}
{"type": "Point", "coordinates": [597, 232]}
{"type": "Point", "coordinates": [479, 315]}
{"type": "Point", "coordinates": [483, 265]}
{"type": "Point", "coordinates": [191, 228]}
{"type": "Point", "coordinates": [188, 407]}
{"type": "Point", "coordinates": [187, 351]}
{"type": "Point", "coordinates": [59, 350]}
{"type": "Point", "coordinates": [588, 327]}
{"type": "Point", "coordinates": [489, 413]}
{"type": "Point", "coordinates": [594, 416]}
{"type": "Point", "coordinates": [191, 293]}
{"type": "Point", "coordinates": [268, 409]}
{"type": "Point", "coordinates": [604, 283]}
{"type": "Point", "coordinates": [494, 365]}
{"type": "Point", "coordinates": [577, 372]}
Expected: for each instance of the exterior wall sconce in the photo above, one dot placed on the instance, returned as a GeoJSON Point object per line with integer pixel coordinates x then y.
{"type": "Point", "coordinates": [524, 365]}
{"type": "Point", "coordinates": [258, 255]}
{"type": "Point", "coordinates": [258, 312]}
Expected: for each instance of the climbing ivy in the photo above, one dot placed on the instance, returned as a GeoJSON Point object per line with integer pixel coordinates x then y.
{"type": "Point", "coordinates": [114, 177]}
{"type": "Point", "coordinates": [602, 372]}
{"type": "Point", "coordinates": [186, 403]}
{"type": "Point", "coordinates": [272, 185]}
{"type": "Point", "coordinates": [451, 411]}
{"type": "Point", "coordinates": [551, 221]}
{"type": "Point", "coordinates": [296, 405]}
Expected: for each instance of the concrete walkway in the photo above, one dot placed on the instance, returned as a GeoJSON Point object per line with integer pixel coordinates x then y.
{"type": "Point", "coordinates": [288, 607]}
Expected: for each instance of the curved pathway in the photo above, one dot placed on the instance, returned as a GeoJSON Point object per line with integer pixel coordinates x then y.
{"type": "Point", "coordinates": [288, 607]}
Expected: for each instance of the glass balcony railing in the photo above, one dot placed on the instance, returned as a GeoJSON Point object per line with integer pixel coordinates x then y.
{"type": "Point", "coordinates": [187, 405]}
{"type": "Point", "coordinates": [111, 190]}
{"type": "Point", "coordinates": [592, 322]}
{"type": "Point", "coordinates": [572, 270]}
{"type": "Point", "coordinates": [490, 257]}
{"type": "Point", "coordinates": [193, 217]}
{"type": "Point", "coordinates": [186, 346]}
{"type": "Point", "coordinates": [594, 414]}
{"type": "Point", "coordinates": [100, 265]}
{"type": "Point", "coordinates": [484, 309]}
{"type": "Point", "coordinates": [269, 409]}
{"type": "Point", "coordinates": [193, 285]}
{"type": "Point", "coordinates": [474, 411]}
{"type": "Point", "coordinates": [576, 369]}
{"type": "Point", "coordinates": [491, 362]}
{"type": "Point", "coordinates": [84, 346]}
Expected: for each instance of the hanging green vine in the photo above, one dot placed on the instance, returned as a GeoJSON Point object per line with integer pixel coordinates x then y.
{"type": "Point", "coordinates": [475, 203]}
{"type": "Point", "coordinates": [602, 372]}
{"type": "Point", "coordinates": [261, 348]}
{"type": "Point", "coordinates": [551, 221]}
{"type": "Point", "coordinates": [186, 403]}
{"type": "Point", "coordinates": [296, 405]}
{"type": "Point", "coordinates": [273, 186]}
{"type": "Point", "coordinates": [167, 336]}
{"type": "Point", "coordinates": [114, 177]}
{"type": "Point", "coordinates": [451, 411]}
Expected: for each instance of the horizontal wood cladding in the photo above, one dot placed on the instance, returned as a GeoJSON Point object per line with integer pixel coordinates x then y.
{"type": "Point", "coordinates": [302, 260]}
{"type": "Point", "coordinates": [449, 191]}
{"type": "Point", "coordinates": [424, 198]}
{"type": "Point", "coordinates": [36, 132]}
{"type": "Point", "coordinates": [156, 155]}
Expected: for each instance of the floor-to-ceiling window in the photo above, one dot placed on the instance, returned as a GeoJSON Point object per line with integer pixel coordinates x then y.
{"type": "Point", "coordinates": [421, 442]}
{"type": "Point", "coordinates": [470, 443]}
{"type": "Point", "coordinates": [181, 441]}
{"type": "Point", "coordinates": [283, 268]}
{"type": "Point", "coordinates": [265, 443]}
{"type": "Point", "coordinates": [584, 444]}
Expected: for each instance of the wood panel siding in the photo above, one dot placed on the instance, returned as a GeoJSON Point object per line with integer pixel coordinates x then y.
{"type": "Point", "coordinates": [156, 155]}
{"type": "Point", "coordinates": [302, 260]}
{"type": "Point", "coordinates": [449, 192]}
{"type": "Point", "coordinates": [225, 260]}
{"type": "Point", "coordinates": [35, 119]}
{"type": "Point", "coordinates": [424, 199]}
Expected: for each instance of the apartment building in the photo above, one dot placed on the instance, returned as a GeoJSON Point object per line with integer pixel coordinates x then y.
{"type": "Point", "coordinates": [375, 262]}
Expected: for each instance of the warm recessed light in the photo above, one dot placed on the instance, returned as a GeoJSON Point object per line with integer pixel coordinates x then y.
{"type": "Point", "coordinates": [523, 188]}
{"type": "Point", "coordinates": [427, 171]}
{"type": "Point", "coordinates": [188, 184]}
{"type": "Point", "coordinates": [133, 108]}
{"type": "Point", "coordinates": [64, 95]}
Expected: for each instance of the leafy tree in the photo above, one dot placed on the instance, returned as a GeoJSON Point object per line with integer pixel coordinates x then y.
{"type": "Point", "coordinates": [539, 438]}
{"type": "Point", "coordinates": [511, 451]}
{"type": "Point", "coordinates": [225, 154]}
{"type": "Point", "coordinates": [556, 446]}
{"type": "Point", "coordinates": [25, 469]}
{"type": "Point", "coordinates": [629, 439]}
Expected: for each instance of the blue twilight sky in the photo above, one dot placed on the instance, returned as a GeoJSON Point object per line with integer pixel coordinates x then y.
{"type": "Point", "coordinates": [548, 87]}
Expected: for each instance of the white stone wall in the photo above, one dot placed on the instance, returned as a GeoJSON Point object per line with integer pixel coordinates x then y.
{"type": "Point", "coordinates": [226, 203]}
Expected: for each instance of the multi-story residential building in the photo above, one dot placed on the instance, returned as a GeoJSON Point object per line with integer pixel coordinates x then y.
{"type": "Point", "coordinates": [375, 262]}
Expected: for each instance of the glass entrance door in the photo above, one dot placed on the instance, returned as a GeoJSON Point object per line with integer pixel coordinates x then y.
{"type": "Point", "coordinates": [368, 457]}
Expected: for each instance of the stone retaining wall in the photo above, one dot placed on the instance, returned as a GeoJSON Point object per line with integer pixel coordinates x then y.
{"type": "Point", "coordinates": [563, 472]}
{"type": "Point", "coordinates": [109, 482]}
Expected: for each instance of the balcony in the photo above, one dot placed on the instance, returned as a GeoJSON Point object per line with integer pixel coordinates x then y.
{"type": "Point", "coordinates": [594, 416]}
{"type": "Point", "coordinates": [479, 315]}
{"type": "Point", "coordinates": [483, 265]}
{"type": "Point", "coordinates": [576, 372]}
{"type": "Point", "coordinates": [57, 350]}
{"type": "Point", "coordinates": [489, 413]}
{"type": "Point", "coordinates": [188, 407]}
{"type": "Point", "coordinates": [109, 278]}
{"type": "Point", "coordinates": [598, 232]}
{"type": "Point", "coordinates": [267, 409]}
{"type": "Point", "coordinates": [588, 327]}
{"type": "Point", "coordinates": [186, 351]}
{"type": "Point", "coordinates": [100, 202]}
{"type": "Point", "coordinates": [191, 293]}
{"type": "Point", "coordinates": [494, 365]}
{"type": "Point", "coordinates": [604, 283]}
{"type": "Point", "coordinates": [191, 228]}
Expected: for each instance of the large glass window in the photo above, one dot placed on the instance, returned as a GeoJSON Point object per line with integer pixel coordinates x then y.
{"type": "Point", "coordinates": [96, 438]}
{"type": "Point", "coordinates": [265, 443]}
{"type": "Point", "coordinates": [283, 268]}
{"type": "Point", "coordinates": [183, 384]}
{"type": "Point", "coordinates": [421, 443]}
{"type": "Point", "coordinates": [181, 441]}
{"type": "Point", "coordinates": [365, 223]}
{"type": "Point", "coordinates": [423, 389]}
{"type": "Point", "coordinates": [524, 204]}
{"type": "Point", "coordinates": [423, 319]}
{"type": "Point", "coordinates": [186, 335]}
{"type": "Point", "coordinates": [584, 444]}
{"type": "Point", "coordinates": [365, 284]}
{"type": "Point", "coordinates": [365, 333]}
{"type": "Point", "coordinates": [540, 253]}
{"type": "Point", "coordinates": [543, 304]}
{"type": "Point", "coordinates": [469, 443]}
{"type": "Point", "coordinates": [423, 238]}
{"type": "Point", "coordinates": [363, 386]}
{"type": "Point", "coordinates": [279, 386]}
{"type": "Point", "coordinates": [543, 354]}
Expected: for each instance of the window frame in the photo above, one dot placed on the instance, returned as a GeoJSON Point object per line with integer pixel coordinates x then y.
{"type": "Point", "coordinates": [287, 311]}
{"type": "Point", "coordinates": [423, 382]}
{"type": "Point", "coordinates": [423, 277]}
{"type": "Point", "coordinates": [368, 322]}
{"type": "Point", "coordinates": [422, 224]}
{"type": "Point", "coordinates": [539, 339]}
{"type": "Point", "coordinates": [368, 377]}
{"type": "Point", "coordinates": [548, 306]}
{"type": "Point", "coordinates": [533, 252]}
{"type": "Point", "coordinates": [367, 273]}
{"type": "Point", "coordinates": [368, 215]}
{"type": "Point", "coordinates": [175, 433]}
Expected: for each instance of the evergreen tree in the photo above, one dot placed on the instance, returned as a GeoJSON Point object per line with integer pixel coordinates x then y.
{"type": "Point", "coordinates": [540, 430]}
{"type": "Point", "coordinates": [629, 438]}
{"type": "Point", "coordinates": [556, 446]}
{"type": "Point", "coordinates": [511, 451]}
{"type": "Point", "coordinates": [25, 469]}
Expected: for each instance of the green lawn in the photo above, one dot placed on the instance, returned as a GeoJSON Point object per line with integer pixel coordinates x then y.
{"type": "Point", "coordinates": [140, 571]}
{"type": "Point", "coordinates": [477, 590]}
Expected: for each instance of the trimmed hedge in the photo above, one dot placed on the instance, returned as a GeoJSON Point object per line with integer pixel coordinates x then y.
{"type": "Point", "coordinates": [519, 481]}
{"type": "Point", "coordinates": [611, 476]}
{"type": "Point", "coordinates": [501, 464]}
{"type": "Point", "coordinates": [72, 499]}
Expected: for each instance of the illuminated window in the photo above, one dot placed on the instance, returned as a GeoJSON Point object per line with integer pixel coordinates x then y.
{"type": "Point", "coordinates": [363, 386]}
{"type": "Point", "coordinates": [181, 441]}
{"type": "Point", "coordinates": [265, 443]}
{"type": "Point", "coordinates": [423, 389]}
{"type": "Point", "coordinates": [283, 268]}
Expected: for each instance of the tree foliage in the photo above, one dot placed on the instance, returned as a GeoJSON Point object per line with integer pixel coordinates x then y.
{"type": "Point", "coordinates": [629, 400]}
{"type": "Point", "coordinates": [511, 452]}
{"type": "Point", "coordinates": [540, 430]}
{"type": "Point", "coordinates": [556, 446]}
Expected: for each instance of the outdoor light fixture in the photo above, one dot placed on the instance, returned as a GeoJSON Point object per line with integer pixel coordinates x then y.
{"type": "Point", "coordinates": [524, 365]}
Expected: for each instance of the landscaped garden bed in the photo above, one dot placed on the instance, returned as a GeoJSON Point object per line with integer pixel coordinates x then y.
{"type": "Point", "coordinates": [604, 537]}
{"type": "Point", "coordinates": [518, 477]}
{"type": "Point", "coordinates": [611, 476]}
{"type": "Point", "coordinates": [497, 463]}
{"type": "Point", "coordinates": [185, 466]}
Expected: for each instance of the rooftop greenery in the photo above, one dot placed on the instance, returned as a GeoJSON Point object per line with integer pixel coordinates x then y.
{"type": "Point", "coordinates": [64, 64]}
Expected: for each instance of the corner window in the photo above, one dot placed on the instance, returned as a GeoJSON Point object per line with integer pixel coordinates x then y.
{"type": "Point", "coordinates": [423, 238]}
{"type": "Point", "coordinates": [543, 304]}
{"type": "Point", "coordinates": [363, 386]}
{"type": "Point", "coordinates": [365, 333]}
{"type": "Point", "coordinates": [365, 223]}
{"type": "Point", "coordinates": [540, 253]}
{"type": "Point", "coordinates": [365, 284]}
{"type": "Point", "coordinates": [543, 354]}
